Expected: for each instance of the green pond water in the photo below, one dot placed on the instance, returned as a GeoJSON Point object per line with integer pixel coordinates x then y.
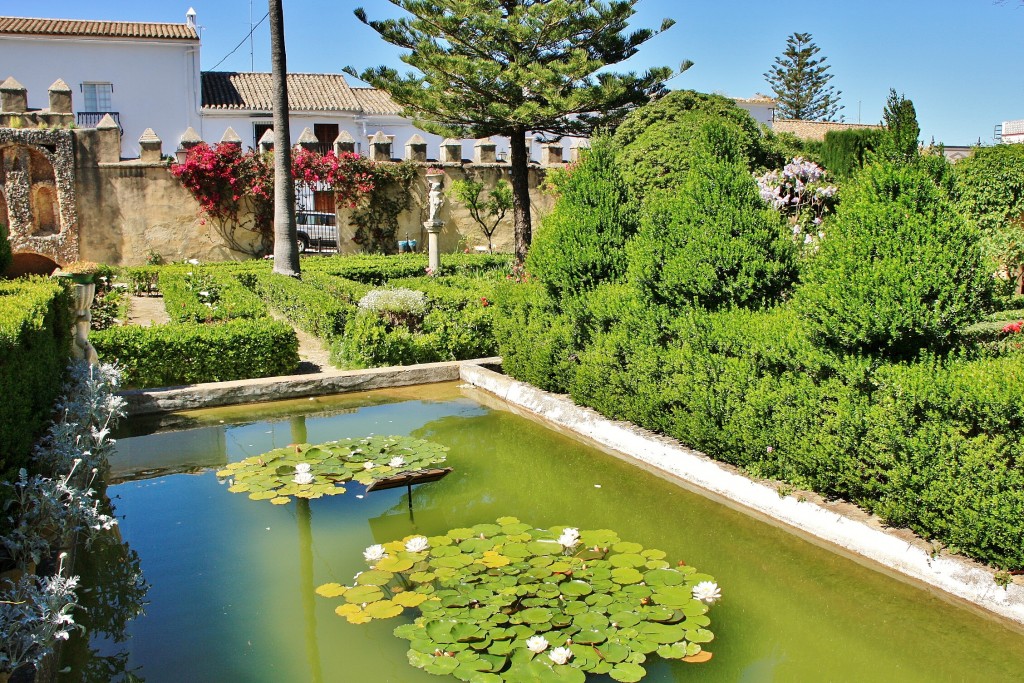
{"type": "Point", "coordinates": [232, 580]}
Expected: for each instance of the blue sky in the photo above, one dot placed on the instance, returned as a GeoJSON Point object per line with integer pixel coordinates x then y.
{"type": "Point", "coordinates": [960, 61]}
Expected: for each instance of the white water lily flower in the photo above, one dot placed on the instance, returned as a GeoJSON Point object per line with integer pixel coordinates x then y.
{"type": "Point", "coordinates": [374, 553]}
{"type": "Point", "coordinates": [368, 465]}
{"type": "Point", "coordinates": [569, 537]}
{"type": "Point", "coordinates": [302, 467]}
{"type": "Point", "coordinates": [303, 478]}
{"type": "Point", "coordinates": [417, 544]}
{"type": "Point", "coordinates": [397, 461]}
{"type": "Point", "coordinates": [707, 592]}
{"type": "Point", "coordinates": [560, 655]}
{"type": "Point", "coordinates": [537, 644]}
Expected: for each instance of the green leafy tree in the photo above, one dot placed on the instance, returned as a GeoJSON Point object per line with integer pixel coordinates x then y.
{"type": "Point", "coordinates": [800, 79]}
{"type": "Point", "coordinates": [899, 143]}
{"type": "Point", "coordinates": [512, 67]}
{"type": "Point", "coordinates": [489, 211]}
{"type": "Point", "coordinates": [989, 189]}
{"type": "Point", "coordinates": [286, 246]}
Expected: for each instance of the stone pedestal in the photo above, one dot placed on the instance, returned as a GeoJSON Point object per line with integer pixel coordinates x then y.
{"type": "Point", "coordinates": [433, 228]}
{"type": "Point", "coordinates": [81, 348]}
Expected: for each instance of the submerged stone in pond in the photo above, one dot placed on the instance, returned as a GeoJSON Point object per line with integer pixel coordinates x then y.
{"type": "Point", "coordinates": [506, 603]}
{"type": "Point", "coordinates": [312, 471]}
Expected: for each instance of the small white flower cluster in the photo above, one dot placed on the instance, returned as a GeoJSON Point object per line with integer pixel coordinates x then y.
{"type": "Point", "coordinates": [398, 300]}
{"type": "Point", "coordinates": [801, 193]}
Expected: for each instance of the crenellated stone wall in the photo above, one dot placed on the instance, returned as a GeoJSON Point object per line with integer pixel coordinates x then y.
{"type": "Point", "coordinates": [66, 194]}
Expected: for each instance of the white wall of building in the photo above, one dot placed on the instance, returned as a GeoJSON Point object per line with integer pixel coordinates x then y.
{"type": "Point", "coordinates": [155, 82]}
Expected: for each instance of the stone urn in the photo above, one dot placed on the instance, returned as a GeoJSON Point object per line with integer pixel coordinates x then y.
{"type": "Point", "coordinates": [81, 348]}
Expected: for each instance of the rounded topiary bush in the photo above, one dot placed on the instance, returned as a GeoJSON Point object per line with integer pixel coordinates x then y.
{"type": "Point", "coordinates": [657, 140]}
{"type": "Point", "coordinates": [580, 243]}
{"type": "Point", "coordinates": [714, 242]}
{"type": "Point", "coordinates": [899, 270]}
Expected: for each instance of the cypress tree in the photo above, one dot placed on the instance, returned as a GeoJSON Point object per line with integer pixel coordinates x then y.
{"type": "Point", "coordinates": [800, 79]}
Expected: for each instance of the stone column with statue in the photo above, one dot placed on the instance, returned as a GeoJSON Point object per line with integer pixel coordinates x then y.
{"type": "Point", "coordinates": [433, 224]}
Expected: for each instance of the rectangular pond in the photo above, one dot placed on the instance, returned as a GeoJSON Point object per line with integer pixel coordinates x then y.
{"type": "Point", "coordinates": [231, 580]}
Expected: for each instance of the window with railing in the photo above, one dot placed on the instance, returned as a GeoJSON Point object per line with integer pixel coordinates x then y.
{"type": "Point", "coordinates": [97, 101]}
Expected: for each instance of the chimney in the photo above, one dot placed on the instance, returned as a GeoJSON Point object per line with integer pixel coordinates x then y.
{"type": "Point", "coordinates": [190, 17]}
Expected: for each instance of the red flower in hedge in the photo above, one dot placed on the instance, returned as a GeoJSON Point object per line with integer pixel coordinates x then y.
{"type": "Point", "coordinates": [1014, 328]}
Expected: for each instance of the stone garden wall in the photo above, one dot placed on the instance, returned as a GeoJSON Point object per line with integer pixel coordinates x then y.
{"type": "Point", "coordinates": [66, 194]}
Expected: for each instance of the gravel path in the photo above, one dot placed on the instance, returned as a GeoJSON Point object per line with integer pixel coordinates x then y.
{"type": "Point", "coordinates": [147, 310]}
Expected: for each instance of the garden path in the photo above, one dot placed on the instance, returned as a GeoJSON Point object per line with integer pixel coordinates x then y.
{"type": "Point", "coordinates": [313, 355]}
{"type": "Point", "coordinates": [147, 310]}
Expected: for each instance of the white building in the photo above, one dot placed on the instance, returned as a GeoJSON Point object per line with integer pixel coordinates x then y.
{"type": "Point", "coordinates": [761, 107]}
{"type": "Point", "coordinates": [145, 75]}
{"type": "Point", "coordinates": [1011, 132]}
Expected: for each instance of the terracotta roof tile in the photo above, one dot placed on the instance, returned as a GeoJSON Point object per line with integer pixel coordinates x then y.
{"type": "Point", "coordinates": [96, 29]}
{"type": "Point", "coordinates": [374, 101]}
{"type": "Point", "coordinates": [248, 90]}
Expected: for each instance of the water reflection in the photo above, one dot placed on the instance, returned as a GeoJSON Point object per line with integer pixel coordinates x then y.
{"type": "Point", "coordinates": [112, 593]}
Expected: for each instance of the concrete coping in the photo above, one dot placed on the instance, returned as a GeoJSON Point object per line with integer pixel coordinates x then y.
{"type": "Point", "coordinates": [307, 137]}
{"type": "Point", "coordinates": [149, 136]}
{"type": "Point", "coordinates": [344, 137]}
{"type": "Point", "coordinates": [59, 86]}
{"type": "Point", "coordinates": [268, 137]}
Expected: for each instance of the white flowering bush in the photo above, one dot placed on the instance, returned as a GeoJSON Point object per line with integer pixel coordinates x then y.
{"type": "Point", "coordinates": [35, 612]}
{"type": "Point", "coordinates": [801, 192]}
{"type": "Point", "coordinates": [405, 307]}
{"type": "Point", "coordinates": [43, 511]}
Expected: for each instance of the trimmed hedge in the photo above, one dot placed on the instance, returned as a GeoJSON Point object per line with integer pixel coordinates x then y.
{"type": "Point", "coordinates": [378, 269]}
{"type": "Point", "coordinates": [190, 353]}
{"type": "Point", "coordinates": [205, 294]}
{"type": "Point", "coordinates": [320, 303]}
{"type": "Point", "coordinates": [35, 338]}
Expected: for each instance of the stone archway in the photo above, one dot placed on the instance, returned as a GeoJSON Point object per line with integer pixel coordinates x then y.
{"type": "Point", "coordinates": [27, 263]}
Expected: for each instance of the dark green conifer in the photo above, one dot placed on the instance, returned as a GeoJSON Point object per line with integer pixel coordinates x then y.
{"type": "Point", "coordinates": [799, 80]}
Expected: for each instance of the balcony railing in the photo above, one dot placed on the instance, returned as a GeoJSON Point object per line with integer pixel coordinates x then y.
{"type": "Point", "coordinates": [89, 119]}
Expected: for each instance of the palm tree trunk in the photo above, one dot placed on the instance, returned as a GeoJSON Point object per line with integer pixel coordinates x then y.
{"type": "Point", "coordinates": [286, 250]}
{"type": "Point", "coordinates": [520, 194]}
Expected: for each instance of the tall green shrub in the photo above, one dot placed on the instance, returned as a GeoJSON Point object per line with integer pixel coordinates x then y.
{"type": "Point", "coordinates": [656, 140]}
{"type": "Point", "coordinates": [714, 242]}
{"type": "Point", "coordinates": [581, 242]}
{"type": "Point", "coordinates": [35, 337]}
{"type": "Point", "coordinates": [988, 187]}
{"type": "Point", "coordinates": [899, 270]}
{"type": "Point", "coordinates": [843, 152]}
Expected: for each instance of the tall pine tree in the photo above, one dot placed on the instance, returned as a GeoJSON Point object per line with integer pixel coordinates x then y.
{"type": "Point", "coordinates": [800, 79]}
{"type": "Point", "coordinates": [512, 67]}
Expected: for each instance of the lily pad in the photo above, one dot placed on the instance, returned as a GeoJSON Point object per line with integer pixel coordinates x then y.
{"type": "Point", "coordinates": [481, 599]}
